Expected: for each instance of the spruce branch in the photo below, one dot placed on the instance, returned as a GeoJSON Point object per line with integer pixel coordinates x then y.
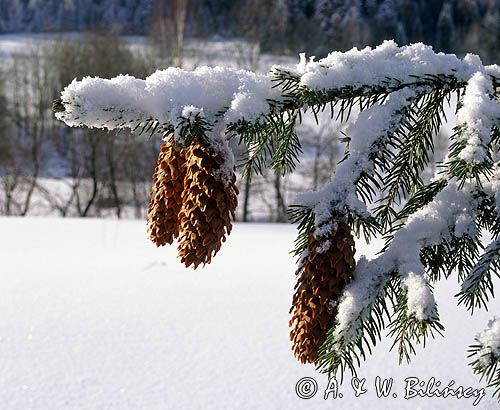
{"type": "Point", "coordinates": [345, 348]}
{"type": "Point", "coordinates": [288, 147]}
{"type": "Point", "coordinates": [415, 141]}
{"type": "Point", "coordinates": [477, 288]}
{"type": "Point", "coordinates": [407, 330]}
{"type": "Point", "coordinates": [304, 218]}
{"type": "Point", "coordinates": [420, 198]}
{"type": "Point", "coordinates": [453, 254]}
{"type": "Point", "coordinates": [462, 169]}
{"type": "Point", "coordinates": [486, 356]}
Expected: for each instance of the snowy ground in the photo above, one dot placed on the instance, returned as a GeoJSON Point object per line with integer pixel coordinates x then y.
{"type": "Point", "coordinates": [215, 51]}
{"type": "Point", "coordinates": [94, 317]}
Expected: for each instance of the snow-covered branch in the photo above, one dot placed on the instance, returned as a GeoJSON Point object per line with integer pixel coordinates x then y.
{"type": "Point", "coordinates": [387, 63]}
{"type": "Point", "coordinates": [368, 136]}
{"type": "Point", "coordinates": [452, 207]}
{"type": "Point", "coordinates": [486, 355]}
{"type": "Point", "coordinates": [228, 95]}
{"type": "Point", "coordinates": [478, 284]}
{"type": "Point", "coordinates": [218, 94]}
{"type": "Point", "coordinates": [478, 113]}
{"type": "Point", "coordinates": [489, 339]}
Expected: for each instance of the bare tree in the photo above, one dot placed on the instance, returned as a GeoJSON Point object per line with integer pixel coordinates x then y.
{"type": "Point", "coordinates": [31, 82]}
{"type": "Point", "coordinates": [179, 20]}
{"type": "Point", "coordinates": [280, 207]}
{"type": "Point", "coordinates": [169, 27]}
{"type": "Point", "coordinates": [95, 158]}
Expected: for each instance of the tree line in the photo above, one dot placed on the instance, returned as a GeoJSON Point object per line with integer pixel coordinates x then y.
{"type": "Point", "coordinates": [280, 26]}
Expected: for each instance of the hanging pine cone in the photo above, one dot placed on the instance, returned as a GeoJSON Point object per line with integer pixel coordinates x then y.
{"type": "Point", "coordinates": [166, 194]}
{"type": "Point", "coordinates": [326, 270]}
{"type": "Point", "coordinates": [208, 206]}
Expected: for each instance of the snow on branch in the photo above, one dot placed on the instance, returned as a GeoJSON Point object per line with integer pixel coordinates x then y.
{"type": "Point", "coordinates": [489, 339]}
{"type": "Point", "coordinates": [452, 207]}
{"type": "Point", "coordinates": [217, 94]}
{"type": "Point", "coordinates": [491, 185]}
{"type": "Point", "coordinates": [478, 284]}
{"type": "Point", "coordinates": [226, 95]}
{"type": "Point", "coordinates": [368, 135]}
{"type": "Point", "coordinates": [387, 62]}
{"type": "Point", "coordinates": [475, 118]}
{"type": "Point", "coordinates": [486, 355]}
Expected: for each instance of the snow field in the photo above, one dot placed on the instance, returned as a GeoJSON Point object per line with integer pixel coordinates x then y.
{"type": "Point", "coordinates": [95, 317]}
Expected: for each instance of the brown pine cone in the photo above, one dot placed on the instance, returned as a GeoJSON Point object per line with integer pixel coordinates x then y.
{"type": "Point", "coordinates": [166, 194]}
{"type": "Point", "coordinates": [321, 281]}
{"type": "Point", "coordinates": [208, 206]}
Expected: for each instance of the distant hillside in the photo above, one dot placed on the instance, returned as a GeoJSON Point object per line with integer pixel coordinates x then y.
{"type": "Point", "coordinates": [288, 25]}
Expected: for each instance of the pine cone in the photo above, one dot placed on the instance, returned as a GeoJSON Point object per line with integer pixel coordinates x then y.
{"type": "Point", "coordinates": [208, 206]}
{"type": "Point", "coordinates": [166, 194]}
{"type": "Point", "coordinates": [321, 281]}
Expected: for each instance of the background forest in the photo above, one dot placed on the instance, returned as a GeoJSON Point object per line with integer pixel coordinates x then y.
{"type": "Point", "coordinates": [49, 169]}
{"type": "Point", "coordinates": [284, 26]}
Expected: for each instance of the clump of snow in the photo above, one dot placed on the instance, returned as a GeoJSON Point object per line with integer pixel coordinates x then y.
{"type": "Point", "coordinates": [190, 112]}
{"type": "Point", "coordinates": [375, 66]}
{"type": "Point", "coordinates": [419, 298]}
{"type": "Point", "coordinates": [370, 278]}
{"type": "Point", "coordinates": [167, 95]}
{"type": "Point", "coordinates": [220, 145]}
{"type": "Point", "coordinates": [493, 70]}
{"type": "Point", "coordinates": [325, 228]}
{"type": "Point", "coordinates": [479, 112]}
{"type": "Point", "coordinates": [490, 342]}
{"type": "Point", "coordinates": [325, 246]}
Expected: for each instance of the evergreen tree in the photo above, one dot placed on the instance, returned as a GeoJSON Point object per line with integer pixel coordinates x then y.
{"type": "Point", "coordinates": [458, 26]}
{"type": "Point", "coordinates": [299, 10]}
{"type": "Point", "coordinates": [490, 33]}
{"type": "Point", "coordinates": [445, 38]}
